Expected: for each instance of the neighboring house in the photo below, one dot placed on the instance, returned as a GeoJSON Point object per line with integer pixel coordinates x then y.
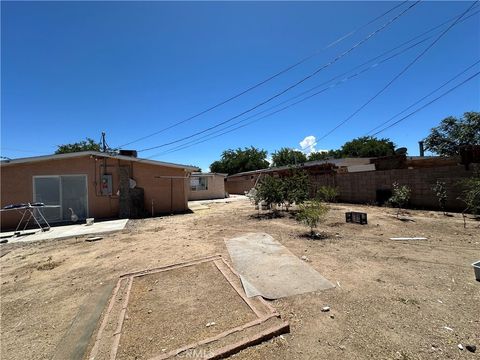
{"type": "Point", "coordinates": [94, 184]}
{"type": "Point", "coordinates": [207, 186]}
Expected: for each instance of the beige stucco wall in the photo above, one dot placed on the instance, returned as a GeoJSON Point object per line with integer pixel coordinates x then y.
{"type": "Point", "coordinates": [216, 189]}
{"type": "Point", "coordinates": [168, 194]}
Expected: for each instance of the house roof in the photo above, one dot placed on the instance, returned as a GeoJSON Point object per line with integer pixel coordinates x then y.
{"type": "Point", "coordinates": [343, 162]}
{"type": "Point", "coordinates": [208, 174]}
{"type": "Point", "coordinates": [93, 153]}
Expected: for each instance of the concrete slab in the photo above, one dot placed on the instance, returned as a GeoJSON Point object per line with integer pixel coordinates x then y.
{"type": "Point", "coordinates": [58, 232]}
{"type": "Point", "coordinates": [269, 269]}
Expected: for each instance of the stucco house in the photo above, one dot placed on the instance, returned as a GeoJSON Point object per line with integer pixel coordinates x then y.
{"type": "Point", "coordinates": [94, 184]}
{"type": "Point", "coordinates": [207, 186]}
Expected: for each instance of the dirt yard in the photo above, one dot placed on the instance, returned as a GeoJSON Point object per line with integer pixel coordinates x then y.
{"type": "Point", "coordinates": [393, 300]}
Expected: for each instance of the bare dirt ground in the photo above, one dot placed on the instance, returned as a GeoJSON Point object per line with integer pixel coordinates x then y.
{"type": "Point", "coordinates": [393, 300]}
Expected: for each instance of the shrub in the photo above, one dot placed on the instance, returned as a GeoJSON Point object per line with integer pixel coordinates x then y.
{"type": "Point", "coordinates": [471, 196]}
{"type": "Point", "coordinates": [269, 190]}
{"type": "Point", "coordinates": [400, 196]}
{"type": "Point", "coordinates": [327, 193]}
{"type": "Point", "coordinates": [311, 214]}
{"type": "Point", "coordinates": [440, 190]}
{"type": "Point", "coordinates": [295, 188]}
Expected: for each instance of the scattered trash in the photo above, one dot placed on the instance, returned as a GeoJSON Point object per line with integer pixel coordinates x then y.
{"type": "Point", "coordinates": [408, 238]}
{"type": "Point", "coordinates": [95, 238]}
{"type": "Point", "coordinates": [460, 346]}
{"type": "Point", "coordinates": [342, 347]}
{"type": "Point", "coordinates": [448, 328]}
{"type": "Point", "coordinates": [440, 301]}
{"type": "Point", "coordinates": [338, 283]}
{"type": "Point", "coordinates": [149, 311]}
{"type": "Point", "coordinates": [325, 308]}
{"type": "Point", "coordinates": [90, 221]}
{"type": "Point", "coordinates": [471, 348]}
{"type": "Point", "coordinates": [210, 324]}
{"type": "Point", "coordinates": [356, 217]}
{"type": "Point", "coordinates": [305, 258]}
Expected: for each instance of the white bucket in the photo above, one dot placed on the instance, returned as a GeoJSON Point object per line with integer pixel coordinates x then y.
{"type": "Point", "coordinates": [90, 221]}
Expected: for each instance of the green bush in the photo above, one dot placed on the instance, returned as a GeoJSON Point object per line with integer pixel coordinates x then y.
{"type": "Point", "coordinates": [440, 190]}
{"type": "Point", "coordinates": [295, 188]}
{"type": "Point", "coordinates": [269, 190]}
{"type": "Point", "coordinates": [471, 194]}
{"type": "Point", "coordinates": [327, 193]}
{"type": "Point", "coordinates": [311, 214]}
{"type": "Point", "coordinates": [400, 196]}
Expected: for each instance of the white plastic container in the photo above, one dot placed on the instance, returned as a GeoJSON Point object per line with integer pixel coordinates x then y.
{"type": "Point", "coordinates": [90, 221]}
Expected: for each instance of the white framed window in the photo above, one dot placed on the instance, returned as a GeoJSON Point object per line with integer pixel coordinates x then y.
{"type": "Point", "coordinates": [199, 183]}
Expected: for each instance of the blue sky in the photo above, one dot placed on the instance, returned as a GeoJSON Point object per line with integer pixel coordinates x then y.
{"type": "Point", "coordinates": [71, 70]}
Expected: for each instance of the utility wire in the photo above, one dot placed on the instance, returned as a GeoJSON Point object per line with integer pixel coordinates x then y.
{"type": "Point", "coordinates": [429, 103]}
{"type": "Point", "coordinates": [209, 136]}
{"type": "Point", "coordinates": [281, 72]}
{"type": "Point", "coordinates": [180, 147]}
{"type": "Point", "coordinates": [338, 57]}
{"type": "Point", "coordinates": [398, 75]}
{"type": "Point", "coordinates": [424, 97]}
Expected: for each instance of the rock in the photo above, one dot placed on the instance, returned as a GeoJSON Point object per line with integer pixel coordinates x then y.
{"type": "Point", "coordinates": [305, 258]}
{"type": "Point", "coordinates": [325, 308]}
{"type": "Point", "coordinates": [342, 347]}
{"type": "Point", "coordinates": [210, 324]}
{"type": "Point", "coordinates": [332, 316]}
{"type": "Point", "coordinates": [150, 289]}
{"type": "Point", "coordinates": [460, 346]}
{"type": "Point", "coordinates": [149, 311]}
{"type": "Point", "coordinates": [471, 348]}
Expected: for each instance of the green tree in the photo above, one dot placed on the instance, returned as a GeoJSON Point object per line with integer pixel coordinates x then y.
{"type": "Point", "coordinates": [445, 139]}
{"type": "Point", "coordinates": [295, 188]}
{"type": "Point", "coordinates": [240, 160]}
{"type": "Point", "coordinates": [311, 214]}
{"type": "Point", "coordinates": [85, 145]}
{"type": "Point", "coordinates": [471, 195]}
{"type": "Point", "coordinates": [367, 146]}
{"type": "Point", "coordinates": [270, 191]}
{"type": "Point", "coordinates": [288, 156]}
{"type": "Point", "coordinates": [327, 193]}
{"type": "Point", "coordinates": [440, 190]}
{"type": "Point", "coordinates": [400, 196]}
{"type": "Point", "coordinates": [324, 155]}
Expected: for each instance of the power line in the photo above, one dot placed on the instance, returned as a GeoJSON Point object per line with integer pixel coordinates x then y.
{"type": "Point", "coordinates": [398, 75]}
{"type": "Point", "coordinates": [429, 103]}
{"type": "Point", "coordinates": [209, 136]}
{"type": "Point", "coordinates": [291, 86]}
{"type": "Point", "coordinates": [281, 72]}
{"type": "Point", "coordinates": [182, 146]}
{"type": "Point", "coordinates": [426, 96]}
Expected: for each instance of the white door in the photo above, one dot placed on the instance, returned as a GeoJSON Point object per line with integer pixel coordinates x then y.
{"type": "Point", "coordinates": [66, 191]}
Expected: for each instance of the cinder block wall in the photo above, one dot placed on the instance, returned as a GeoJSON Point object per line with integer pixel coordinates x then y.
{"type": "Point", "coordinates": [361, 187]}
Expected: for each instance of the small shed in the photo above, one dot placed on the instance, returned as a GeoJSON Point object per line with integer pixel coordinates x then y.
{"type": "Point", "coordinates": [207, 186]}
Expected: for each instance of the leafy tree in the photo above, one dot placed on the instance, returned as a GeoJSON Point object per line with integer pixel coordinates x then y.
{"type": "Point", "coordinates": [324, 155]}
{"type": "Point", "coordinates": [85, 145]}
{"type": "Point", "coordinates": [240, 160]}
{"type": "Point", "coordinates": [270, 191]}
{"type": "Point", "coordinates": [327, 193]}
{"type": "Point", "coordinates": [400, 196]}
{"type": "Point", "coordinates": [311, 214]}
{"type": "Point", "coordinates": [440, 190]}
{"type": "Point", "coordinates": [471, 195]}
{"type": "Point", "coordinates": [288, 156]}
{"type": "Point", "coordinates": [295, 188]}
{"type": "Point", "coordinates": [367, 146]}
{"type": "Point", "coordinates": [445, 139]}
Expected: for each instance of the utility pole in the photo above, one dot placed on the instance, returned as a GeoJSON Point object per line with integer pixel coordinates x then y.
{"type": "Point", "coordinates": [104, 144]}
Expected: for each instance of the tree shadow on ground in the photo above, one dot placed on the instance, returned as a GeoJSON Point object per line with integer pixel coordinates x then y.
{"type": "Point", "coordinates": [316, 236]}
{"type": "Point", "coordinates": [279, 214]}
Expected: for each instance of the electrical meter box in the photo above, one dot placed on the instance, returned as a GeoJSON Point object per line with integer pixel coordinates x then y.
{"type": "Point", "coordinates": [106, 184]}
